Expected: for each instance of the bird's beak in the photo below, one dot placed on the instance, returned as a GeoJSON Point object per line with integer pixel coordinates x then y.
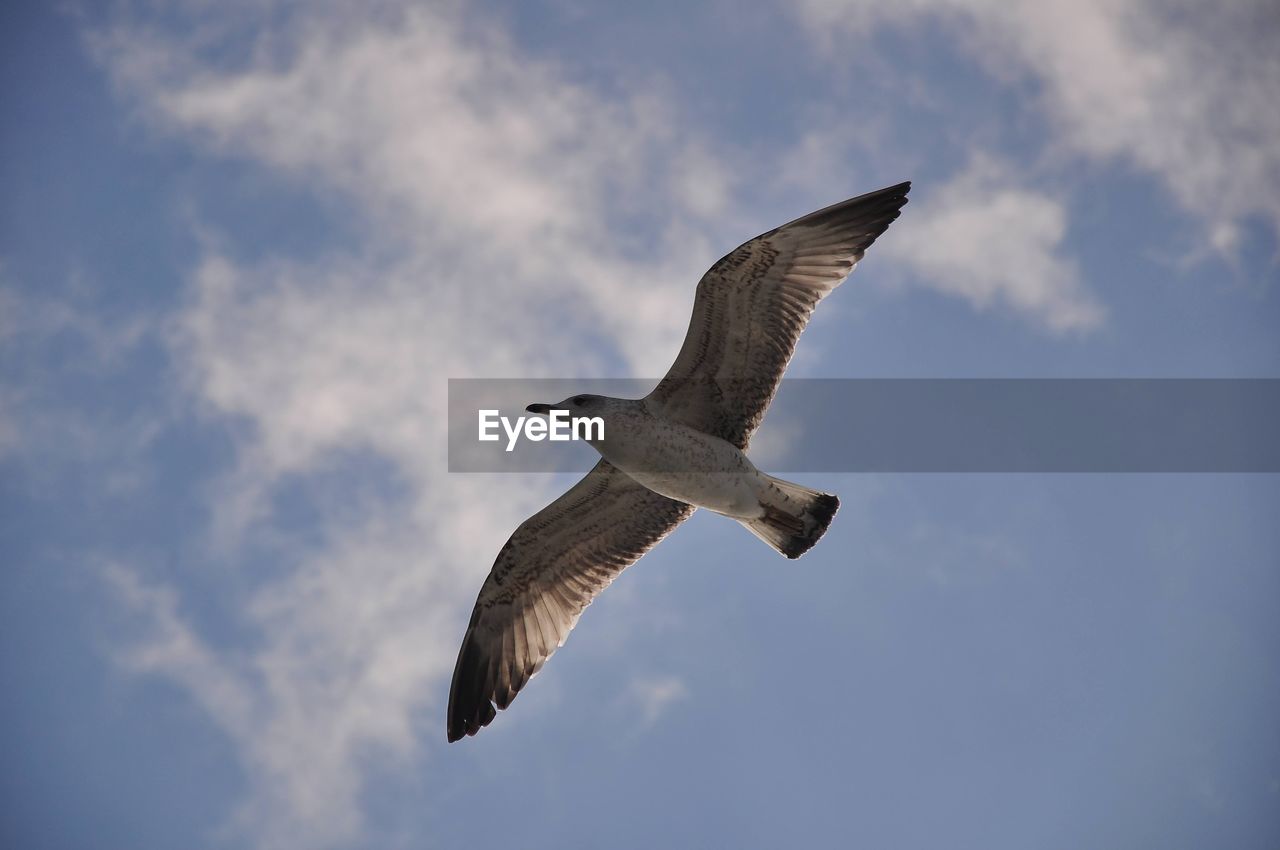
{"type": "Point", "coordinates": [539, 408]}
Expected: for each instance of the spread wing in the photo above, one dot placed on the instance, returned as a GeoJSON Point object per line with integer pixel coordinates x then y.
{"type": "Point", "coordinates": [751, 307]}
{"type": "Point", "coordinates": [555, 563]}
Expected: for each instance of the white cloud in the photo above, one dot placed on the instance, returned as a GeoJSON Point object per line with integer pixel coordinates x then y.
{"type": "Point", "coordinates": [654, 695]}
{"type": "Point", "coordinates": [1182, 91]}
{"type": "Point", "coordinates": [499, 174]}
{"type": "Point", "coordinates": [32, 319]}
{"type": "Point", "coordinates": [492, 183]}
{"type": "Point", "coordinates": [503, 200]}
{"type": "Point", "coordinates": [45, 339]}
{"type": "Point", "coordinates": [985, 236]}
{"type": "Point", "coordinates": [991, 241]}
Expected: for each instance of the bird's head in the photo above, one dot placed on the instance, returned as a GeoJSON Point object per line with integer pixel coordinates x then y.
{"type": "Point", "coordinates": [578, 405]}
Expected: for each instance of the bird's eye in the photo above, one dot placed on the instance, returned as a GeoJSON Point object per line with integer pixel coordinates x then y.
{"type": "Point", "coordinates": [579, 400]}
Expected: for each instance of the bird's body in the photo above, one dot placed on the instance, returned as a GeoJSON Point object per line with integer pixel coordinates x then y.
{"type": "Point", "coordinates": [678, 461]}
{"type": "Point", "coordinates": [681, 447]}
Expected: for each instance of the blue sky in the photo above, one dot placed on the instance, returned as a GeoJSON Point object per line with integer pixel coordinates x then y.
{"type": "Point", "coordinates": [243, 246]}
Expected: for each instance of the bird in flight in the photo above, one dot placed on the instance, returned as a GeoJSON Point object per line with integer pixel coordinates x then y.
{"type": "Point", "coordinates": [680, 448]}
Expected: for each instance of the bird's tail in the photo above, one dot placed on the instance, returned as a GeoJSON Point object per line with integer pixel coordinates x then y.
{"type": "Point", "coordinates": [795, 517]}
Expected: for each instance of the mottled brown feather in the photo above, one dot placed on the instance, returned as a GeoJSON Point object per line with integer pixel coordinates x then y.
{"type": "Point", "coordinates": [752, 306]}
{"type": "Point", "coordinates": [555, 563]}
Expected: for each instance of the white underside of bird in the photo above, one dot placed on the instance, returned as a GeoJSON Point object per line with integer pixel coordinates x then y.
{"type": "Point", "coordinates": [703, 470]}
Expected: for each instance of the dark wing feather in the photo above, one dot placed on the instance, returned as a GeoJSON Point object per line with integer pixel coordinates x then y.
{"type": "Point", "coordinates": [751, 307]}
{"type": "Point", "coordinates": [555, 563]}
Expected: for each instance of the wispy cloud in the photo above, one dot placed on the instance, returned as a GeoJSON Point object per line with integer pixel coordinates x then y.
{"type": "Point", "coordinates": [993, 242]}
{"type": "Point", "coordinates": [986, 235]}
{"type": "Point", "coordinates": [502, 197]}
{"type": "Point", "coordinates": [652, 696]}
{"type": "Point", "coordinates": [1187, 98]}
{"type": "Point", "coordinates": [47, 340]}
{"type": "Point", "coordinates": [491, 169]}
{"type": "Point", "coordinates": [493, 185]}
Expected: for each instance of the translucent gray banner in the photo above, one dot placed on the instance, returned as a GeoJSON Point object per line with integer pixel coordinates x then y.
{"type": "Point", "coordinates": [930, 425]}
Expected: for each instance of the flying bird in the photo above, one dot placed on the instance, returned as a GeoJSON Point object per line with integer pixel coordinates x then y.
{"type": "Point", "coordinates": [679, 448]}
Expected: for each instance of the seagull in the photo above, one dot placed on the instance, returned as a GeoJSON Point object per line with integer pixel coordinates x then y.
{"type": "Point", "coordinates": [680, 448]}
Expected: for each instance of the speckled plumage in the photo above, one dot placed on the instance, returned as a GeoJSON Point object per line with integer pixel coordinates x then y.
{"type": "Point", "coordinates": [682, 446]}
